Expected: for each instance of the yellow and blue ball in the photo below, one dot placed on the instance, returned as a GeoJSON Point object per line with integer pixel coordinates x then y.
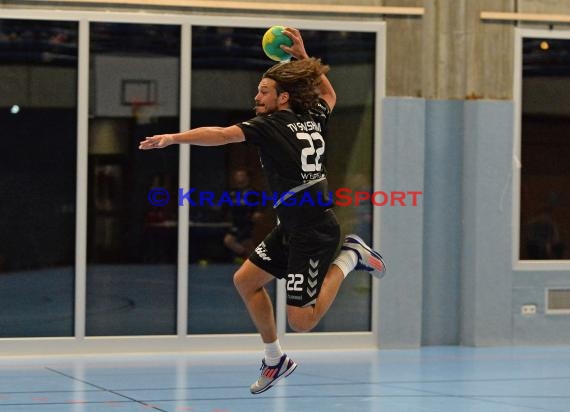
{"type": "Point", "coordinates": [272, 40]}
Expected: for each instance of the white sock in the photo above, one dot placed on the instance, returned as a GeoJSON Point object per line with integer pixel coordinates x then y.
{"type": "Point", "coordinates": [273, 353]}
{"type": "Point", "coordinates": [346, 261]}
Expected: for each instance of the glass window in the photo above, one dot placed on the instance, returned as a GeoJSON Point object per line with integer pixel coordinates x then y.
{"type": "Point", "coordinates": [227, 64]}
{"type": "Point", "coordinates": [132, 230]}
{"type": "Point", "coordinates": [38, 114]}
{"type": "Point", "coordinates": [545, 150]}
{"type": "Point", "coordinates": [221, 237]}
{"type": "Point", "coordinates": [351, 56]}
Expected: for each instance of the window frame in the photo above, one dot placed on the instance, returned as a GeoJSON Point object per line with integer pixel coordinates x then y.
{"type": "Point", "coordinates": [182, 341]}
{"type": "Point", "coordinates": [518, 264]}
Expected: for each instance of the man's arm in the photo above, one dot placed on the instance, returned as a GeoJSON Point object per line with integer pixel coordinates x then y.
{"type": "Point", "coordinates": [201, 136]}
{"type": "Point", "coordinates": [326, 91]}
{"type": "Point", "coordinates": [297, 50]}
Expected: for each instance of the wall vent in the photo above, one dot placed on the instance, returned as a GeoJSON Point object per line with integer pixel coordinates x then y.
{"type": "Point", "coordinates": [558, 301]}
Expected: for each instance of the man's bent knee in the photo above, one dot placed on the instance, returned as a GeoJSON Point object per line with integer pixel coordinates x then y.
{"type": "Point", "coordinates": [249, 278]}
{"type": "Point", "coordinates": [300, 319]}
{"type": "Point", "coordinates": [241, 281]}
{"type": "Point", "coordinates": [300, 326]}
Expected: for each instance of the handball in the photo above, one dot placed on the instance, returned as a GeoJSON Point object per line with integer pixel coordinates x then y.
{"type": "Point", "coordinates": [272, 40]}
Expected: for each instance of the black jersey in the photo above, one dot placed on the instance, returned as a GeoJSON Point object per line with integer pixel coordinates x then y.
{"type": "Point", "coordinates": [292, 150]}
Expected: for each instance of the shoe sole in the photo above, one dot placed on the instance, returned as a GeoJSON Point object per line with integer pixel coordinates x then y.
{"type": "Point", "coordinates": [376, 273]}
{"type": "Point", "coordinates": [285, 374]}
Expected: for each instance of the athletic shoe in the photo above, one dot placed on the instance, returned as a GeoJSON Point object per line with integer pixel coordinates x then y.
{"type": "Point", "coordinates": [368, 260]}
{"type": "Point", "coordinates": [270, 375]}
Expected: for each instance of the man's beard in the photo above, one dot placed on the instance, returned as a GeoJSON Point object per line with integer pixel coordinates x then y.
{"type": "Point", "coordinates": [261, 113]}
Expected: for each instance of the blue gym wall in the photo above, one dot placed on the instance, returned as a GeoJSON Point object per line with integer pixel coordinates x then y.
{"type": "Point", "coordinates": [451, 279]}
{"type": "Point", "coordinates": [402, 227]}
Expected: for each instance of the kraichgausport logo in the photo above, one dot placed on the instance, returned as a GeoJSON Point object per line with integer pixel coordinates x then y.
{"type": "Point", "coordinates": [341, 197]}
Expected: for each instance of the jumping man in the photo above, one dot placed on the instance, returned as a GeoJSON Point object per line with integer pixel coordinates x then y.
{"type": "Point", "coordinates": [292, 107]}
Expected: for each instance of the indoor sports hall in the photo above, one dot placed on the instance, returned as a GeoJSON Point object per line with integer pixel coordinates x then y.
{"type": "Point", "coordinates": [447, 150]}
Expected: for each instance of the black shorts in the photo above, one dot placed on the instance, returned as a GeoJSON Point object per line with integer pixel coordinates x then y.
{"type": "Point", "coordinates": [301, 255]}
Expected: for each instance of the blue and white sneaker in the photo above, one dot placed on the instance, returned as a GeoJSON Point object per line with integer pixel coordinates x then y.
{"type": "Point", "coordinates": [369, 260]}
{"type": "Point", "coordinates": [270, 375]}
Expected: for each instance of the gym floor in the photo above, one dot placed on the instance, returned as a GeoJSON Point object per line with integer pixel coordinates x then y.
{"type": "Point", "coordinates": [439, 379]}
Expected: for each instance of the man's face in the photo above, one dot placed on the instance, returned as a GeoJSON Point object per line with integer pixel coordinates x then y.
{"type": "Point", "coordinates": [241, 179]}
{"type": "Point", "coordinates": [266, 99]}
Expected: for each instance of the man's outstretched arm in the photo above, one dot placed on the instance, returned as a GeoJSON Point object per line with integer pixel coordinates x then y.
{"type": "Point", "coordinates": [201, 136]}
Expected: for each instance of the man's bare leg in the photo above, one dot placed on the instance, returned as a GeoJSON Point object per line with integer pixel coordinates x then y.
{"type": "Point", "coordinates": [304, 319]}
{"type": "Point", "coordinates": [250, 281]}
{"type": "Point", "coordinates": [354, 254]}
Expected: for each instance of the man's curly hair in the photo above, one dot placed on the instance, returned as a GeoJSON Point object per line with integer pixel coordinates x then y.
{"type": "Point", "coordinates": [299, 78]}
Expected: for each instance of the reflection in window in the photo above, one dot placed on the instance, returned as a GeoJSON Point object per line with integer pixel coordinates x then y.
{"type": "Point", "coordinates": [227, 64]}
{"type": "Point", "coordinates": [545, 150]}
{"type": "Point", "coordinates": [38, 76]}
{"type": "Point", "coordinates": [132, 244]}
{"type": "Point", "coordinates": [221, 237]}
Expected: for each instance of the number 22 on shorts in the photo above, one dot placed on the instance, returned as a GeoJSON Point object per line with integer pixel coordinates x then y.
{"type": "Point", "coordinates": [294, 282]}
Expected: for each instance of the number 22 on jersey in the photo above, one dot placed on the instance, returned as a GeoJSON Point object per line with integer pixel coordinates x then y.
{"type": "Point", "coordinates": [311, 155]}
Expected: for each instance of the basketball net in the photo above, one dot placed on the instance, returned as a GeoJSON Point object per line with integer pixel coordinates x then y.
{"type": "Point", "coordinates": [143, 112]}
